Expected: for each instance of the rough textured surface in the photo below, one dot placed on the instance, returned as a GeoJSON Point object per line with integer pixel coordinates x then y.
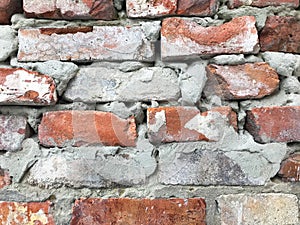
{"type": "Point", "coordinates": [145, 84]}
{"type": "Point", "coordinates": [77, 128]}
{"type": "Point", "coordinates": [84, 44]}
{"type": "Point", "coordinates": [281, 34]}
{"type": "Point", "coordinates": [260, 209]}
{"type": "Point", "coordinates": [152, 9]}
{"type": "Point", "coordinates": [26, 213]}
{"type": "Point", "coordinates": [290, 168]}
{"type": "Point", "coordinates": [8, 8]}
{"type": "Point", "coordinates": [64, 9]}
{"type": "Point", "coordinates": [263, 3]}
{"type": "Point", "coordinates": [274, 124]}
{"type": "Point", "coordinates": [247, 81]}
{"type": "Point", "coordinates": [13, 130]}
{"type": "Point", "coordinates": [139, 211]}
{"type": "Point", "coordinates": [8, 43]}
{"type": "Point", "coordinates": [24, 87]}
{"type": "Point", "coordinates": [168, 124]}
{"type": "Point", "coordinates": [5, 178]}
{"type": "Point", "coordinates": [182, 38]}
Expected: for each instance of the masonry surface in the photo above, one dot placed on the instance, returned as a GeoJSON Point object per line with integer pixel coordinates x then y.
{"type": "Point", "coordinates": [150, 112]}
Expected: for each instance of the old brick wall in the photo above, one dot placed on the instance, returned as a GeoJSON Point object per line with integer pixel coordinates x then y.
{"type": "Point", "coordinates": [150, 112]}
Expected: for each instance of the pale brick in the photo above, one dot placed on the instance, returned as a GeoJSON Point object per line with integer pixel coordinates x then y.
{"type": "Point", "coordinates": [281, 34]}
{"type": "Point", "coordinates": [175, 211]}
{"type": "Point", "coordinates": [259, 209]}
{"type": "Point", "coordinates": [169, 124]}
{"type": "Point", "coordinates": [8, 8]}
{"type": "Point", "coordinates": [77, 128]}
{"type": "Point", "coordinates": [146, 84]}
{"type": "Point", "coordinates": [13, 130]}
{"type": "Point", "coordinates": [150, 9]}
{"type": "Point", "coordinates": [274, 124]}
{"type": "Point", "coordinates": [65, 9]}
{"type": "Point", "coordinates": [263, 3]}
{"type": "Point", "coordinates": [24, 87]}
{"type": "Point", "coordinates": [184, 39]}
{"type": "Point", "coordinates": [26, 213]}
{"type": "Point", "coordinates": [112, 43]}
{"type": "Point", "coordinates": [247, 81]}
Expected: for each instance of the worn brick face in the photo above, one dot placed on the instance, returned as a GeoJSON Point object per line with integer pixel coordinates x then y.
{"type": "Point", "coordinates": [8, 8]}
{"type": "Point", "coordinates": [24, 87]}
{"type": "Point", "coordinates": [64, 9]}
{"type": "Point", "coordinates": [15, 213]}
{"type": "Point", "coordinates": [274, 124]}
{"type": "Point", "coordinates": [5, 178]}
{"type": "Point", "coordinates": [139, 211]}
{"type": "Point", "coordinates": [183, 38]}
{"type": "Point", "coordinates": [290, 168]}
{"type": "Point", "coordinates": [247, 81]}
{"type": "Point", "coordinates": [263, 3]}
{"type": "Point", "coordinates": [77, 128]}
{"type": "Point", "coordinates": [13, 130]}
{"type": "Point", "coordinates": [159, 8]}
{"type": "Point", "coordinates": [281, 34]}
{"type": "Point", "coordinates": [85, 44]}
{"type": "Point", "coordinates": [169, 124]}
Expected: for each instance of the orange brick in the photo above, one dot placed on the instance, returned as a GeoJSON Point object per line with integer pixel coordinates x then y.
{"type": "Point", "coordinates": [290, 168]}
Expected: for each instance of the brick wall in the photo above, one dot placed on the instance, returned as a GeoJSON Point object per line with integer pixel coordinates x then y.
{"type": "Point", "coordinates": [149, 112]}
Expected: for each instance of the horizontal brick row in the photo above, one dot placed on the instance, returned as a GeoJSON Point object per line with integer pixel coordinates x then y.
{"type": "Point", "coordinates": [77, 128]}
{"type": "Point", "coordinates": [263, 3]}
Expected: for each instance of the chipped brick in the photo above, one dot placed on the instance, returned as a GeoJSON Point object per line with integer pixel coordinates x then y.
{"type": "Point", "coordinates": [139, 211]}
{"type": "Point", "coordinates": [77, 128]}
{"type": "Point", "coordinates": [184, 39]}
{"type": "Point", "coordinates": [274, 124]}
{"type": "Point", "coordinates": [248, 81]}
{"type": "Point", "coordinates": [24, 87]}
{"type": "Point", "coordinates": [290, 168]}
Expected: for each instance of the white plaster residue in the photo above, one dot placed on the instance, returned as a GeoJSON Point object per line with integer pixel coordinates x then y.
{"type": "Point", "coordinates": [78, 7]}
{"type": "Point", "coordinates": [19, 82]}
{"type": "Point", "coordinates": [160, 120]}
{"type": "Point", "coordinates": [211, 126]}
{"type": "Point", "coordinates": [38, 216]}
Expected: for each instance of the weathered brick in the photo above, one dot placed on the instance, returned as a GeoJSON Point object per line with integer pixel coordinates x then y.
{"type": "Point", "coordinates": [175, 211]}
{"type": "Point", "coordinates": [77, 128]}
{"type": "Point", "coordinates": [64, 9]}
{"type": "Point", "coordinates": [170, 7]}
{"type": "Point", "coordinates": [13, 130]}
{"type": "Point", "coordinates": [263, 3]}
{"type": "Point", "coordinates": [8, 8]}
{"type": "Point", "coordinates": [183, 38]}
{"type": "Point", "coordinates": [26, 213]}
{"type": "Point", "coordinates": [5, 178]}
{"type": "Point", "coordinates": [290, 168]}
{"type": "Point", "coordinates": [281, 34]}
{"type": "Point", "coordinates": [259, 209]}
{"type": "Point", "coordinates": [247, 81]}
{"type": "Point", "coordinates": [24, 87]}
{"type": "Point", "coordinates": [274, 124]}
{"type": "Point", "coordinates": [85, 44]}
{"type": "Point", "coordinates": [108, 85]}
{"type": "Point", "coordinates": [169, 124]}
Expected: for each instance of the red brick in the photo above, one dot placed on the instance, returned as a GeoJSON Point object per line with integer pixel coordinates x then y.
{"type": "Point", "coordinates": [159, 8]}
{"type": "Point", "coordinates": [274, 124]}
{"type": "Point", "coordinates": [263, 3]}
{"type": "Point", "coordinates": [5, 178]}
{"type": "Point", "coordinates": [15, 213]}
{"type": "Point", "coordinates": [77, 128]}
{"type": "Point", "coordinates": [8, 8]}
{"type": "Point", "coordinates": [184, 38]}
{"type": "Point", "coordinates": [248, 81]}
{"type": "Point", "coordinates": [65, 9]}
{"type": "Point", "coordinates": [169, 124]}
{"type": "Point", "coordinates": [290, 168]}
{"type": "Point", "coordinates": [13, 130]}
{"type": "Point", "coordinates": [174, 211]}
{"type": "Point", "coordinates": [85, 44]}
{"type": "Point", "coordinates": [24, 87]}
{"type": "Point", "coordinates": [281, 34]}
